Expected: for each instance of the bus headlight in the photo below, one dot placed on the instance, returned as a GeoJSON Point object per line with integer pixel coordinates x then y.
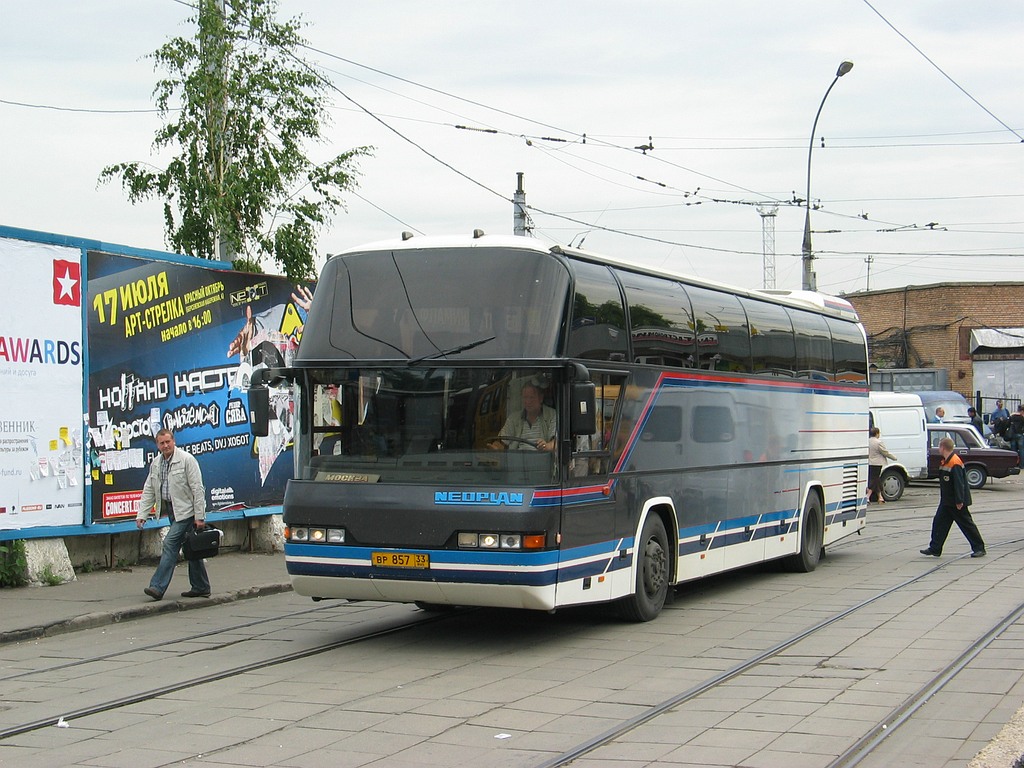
{"type": "Point", "coordinates": [335, 535]}
{"type": "Point", "coordinates": [306, 535]}
{"type": "Point", "coordinates": [511, 541]}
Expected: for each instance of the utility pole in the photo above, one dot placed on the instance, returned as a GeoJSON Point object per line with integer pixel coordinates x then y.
{"type": "Point", "coordinates": [520, 218]}
{"type": "Point", "coordinates": [810, 280]}
{"type": "Point", "coordinates": [768, 243]}
{"type": "Point", "coordinates": [870, 259]}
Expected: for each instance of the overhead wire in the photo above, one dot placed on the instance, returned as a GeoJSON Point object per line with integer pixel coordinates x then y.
{"type": "Point", "coordinates": [942, 72]}
{"type": "Point", "coordinates": [577, 137]}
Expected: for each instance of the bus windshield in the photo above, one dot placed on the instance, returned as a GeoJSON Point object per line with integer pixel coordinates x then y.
{"type": "Point", "coordinates": [420, 304]}
{"type": "Point", "coordinates": [432, 425]}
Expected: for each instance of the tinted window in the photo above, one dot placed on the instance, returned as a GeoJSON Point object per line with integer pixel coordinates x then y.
{"type": "Point", "coordinates": [598, 318]}
{"type": "Point", "coordinates": [771, 338]}
{"type": "Point", "coordinates": [723, 343]}
{"type": "Point", "coordinates": [813, 345]}
{"type": "Point", "coordinates": [660, 322]}
{"type": "Point", "coordinates": [402, 304]}
{"type": "Point", "coordinates": [848, 349]}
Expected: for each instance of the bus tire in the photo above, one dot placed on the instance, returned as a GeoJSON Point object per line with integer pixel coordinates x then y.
{"type": "Point", "coordinates": [812, 534]}
{"type": "Point", "coordinates": [650, 587]}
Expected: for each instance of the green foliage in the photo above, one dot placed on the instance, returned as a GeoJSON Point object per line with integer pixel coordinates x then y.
{"type": "Point", "coordinates": [49, 578]}
{"type": "Point", "coordinates": [246, 265]}
{"type": "Point", "coordinates": [238, 106]}
{"type": "Point", "coordinates": [13, 565]}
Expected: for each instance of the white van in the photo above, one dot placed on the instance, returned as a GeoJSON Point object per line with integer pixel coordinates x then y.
{"type": "Point", "coordinates": [900, 417]}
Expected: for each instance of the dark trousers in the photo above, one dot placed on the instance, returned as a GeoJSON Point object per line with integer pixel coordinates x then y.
{"type": "Point", "coordinates": [945, 516]}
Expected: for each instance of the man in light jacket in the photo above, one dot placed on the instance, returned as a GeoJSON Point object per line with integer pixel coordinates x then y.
{"type": "Point", "coordinates": [174, 488]}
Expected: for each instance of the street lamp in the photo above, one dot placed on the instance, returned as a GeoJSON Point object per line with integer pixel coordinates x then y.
{"type": "Point", "coordinates": [810, 282]}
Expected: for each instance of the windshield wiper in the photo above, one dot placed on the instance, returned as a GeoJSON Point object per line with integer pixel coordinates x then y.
{"type": "Point", "coordinates": [452, 351]}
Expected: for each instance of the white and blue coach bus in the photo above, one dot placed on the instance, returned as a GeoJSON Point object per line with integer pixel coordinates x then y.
{"type": "Point", "coordinates": [684, 428]}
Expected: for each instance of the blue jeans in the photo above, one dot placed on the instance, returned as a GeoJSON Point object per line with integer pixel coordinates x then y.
{"type": "Point", "coordinates": [197, 578]}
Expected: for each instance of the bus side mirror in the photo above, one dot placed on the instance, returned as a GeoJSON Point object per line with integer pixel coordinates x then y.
{"type": "Point", "coordinates": [582, 419]}
{"type": "Point", "coordinates": [259, 405]}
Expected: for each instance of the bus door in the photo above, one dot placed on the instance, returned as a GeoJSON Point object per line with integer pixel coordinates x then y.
{"type": "Point", "coordinates": [589, 520]}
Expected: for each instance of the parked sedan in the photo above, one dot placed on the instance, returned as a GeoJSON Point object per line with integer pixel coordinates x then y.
{"type": "Point", "coordinates": [980, 461]}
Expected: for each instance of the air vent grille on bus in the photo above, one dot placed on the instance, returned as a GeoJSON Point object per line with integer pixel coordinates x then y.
{"type": "Point", "coordinates": [851, 489]}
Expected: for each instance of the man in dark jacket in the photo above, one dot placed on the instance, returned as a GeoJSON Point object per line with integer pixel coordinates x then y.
{"type": "Point", "coordinates": [954, 504]}
{"type": "Point", "coordinates": [1016, 432]}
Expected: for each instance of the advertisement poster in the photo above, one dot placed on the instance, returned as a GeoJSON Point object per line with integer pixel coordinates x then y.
{"type": "Point", "coordinates": [41, 428]}
{"type": "Point", "coordinates": [175, 346]}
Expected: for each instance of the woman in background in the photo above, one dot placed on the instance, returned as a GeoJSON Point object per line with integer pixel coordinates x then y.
{"type": "Point", "coordinates": [878, 457]}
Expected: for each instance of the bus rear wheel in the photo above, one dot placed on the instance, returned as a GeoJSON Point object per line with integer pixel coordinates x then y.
{"type": "Point", "coordinates": [652, 573]}
{"type": "Point", "coordinates": [812, 536]}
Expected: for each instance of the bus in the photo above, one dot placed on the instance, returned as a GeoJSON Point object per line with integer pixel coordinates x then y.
{"type": "Point", "coordinates": [679, 428]}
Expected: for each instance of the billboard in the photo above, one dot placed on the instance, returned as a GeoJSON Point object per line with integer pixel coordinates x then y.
{"type": "Point", "coordinates": [174, 345]}
{"type": "Point", "coordinates": [41, 370]}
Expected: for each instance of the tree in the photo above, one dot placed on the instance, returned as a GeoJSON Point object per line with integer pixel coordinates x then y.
{"type": "Point", "coordinates": [238, 104]}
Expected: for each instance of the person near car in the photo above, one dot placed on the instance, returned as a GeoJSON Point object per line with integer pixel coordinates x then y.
{"type": "Point", "coordinates": [174, 487]}
{"type": "Point", "coordinates": [940, 414]}
{"type": "Point", "coordinates": [878, 457]}
{"type": "Point", "coordinates": [998, 413]}
{"type": "Point", "coordinates": [1015, 433]}
{"type": "Point", "coordinates": [976, 420]}
{"type": "Point", "coordinates": [954, 504]}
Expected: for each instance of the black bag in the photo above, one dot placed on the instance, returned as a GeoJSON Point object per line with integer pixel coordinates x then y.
{"type": "Point", "coordinates": [200, 545]}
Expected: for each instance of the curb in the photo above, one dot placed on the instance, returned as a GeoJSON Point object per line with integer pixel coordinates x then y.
{"type": "Point", "coordinates": [105, 618]}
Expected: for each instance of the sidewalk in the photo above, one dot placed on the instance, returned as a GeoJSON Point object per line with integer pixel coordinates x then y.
{"type": "Point", "coordinates": [104, 597]}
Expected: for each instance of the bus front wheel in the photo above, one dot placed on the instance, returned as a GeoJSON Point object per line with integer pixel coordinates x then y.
{"type": "Point", "coordinates": [652, 573]}
{"type": "Point", "coordinates": [812, 534]}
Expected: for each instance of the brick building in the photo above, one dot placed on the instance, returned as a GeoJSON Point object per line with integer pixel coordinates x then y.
{"type": "Point", "coordinates": [974, 330]}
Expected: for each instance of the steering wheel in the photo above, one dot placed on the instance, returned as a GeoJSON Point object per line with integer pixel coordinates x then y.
{"type": "Point", "coordinates": [502, 438]}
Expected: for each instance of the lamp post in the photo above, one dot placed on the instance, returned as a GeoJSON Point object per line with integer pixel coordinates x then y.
{"type": "Point", "coordinates": [810, 281]}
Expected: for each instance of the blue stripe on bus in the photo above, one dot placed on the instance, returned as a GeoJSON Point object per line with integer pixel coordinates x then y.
{"type": "Point", "coordinates": [452, 556]}
{"type": "Point", "coordinates": [509, 568]}
{"type": "Point", "coordinates": [537, 569]}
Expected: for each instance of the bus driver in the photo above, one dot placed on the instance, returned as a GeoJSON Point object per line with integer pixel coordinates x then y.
{"type": "Point", "coordinates": [532, 429]}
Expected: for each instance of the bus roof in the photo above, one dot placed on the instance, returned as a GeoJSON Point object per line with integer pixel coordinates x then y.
{"type": "Point", "coordinates": [819, 302]}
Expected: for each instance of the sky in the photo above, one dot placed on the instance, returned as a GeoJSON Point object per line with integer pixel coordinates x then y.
{"type": "Point", "coordinates": [916, 167]}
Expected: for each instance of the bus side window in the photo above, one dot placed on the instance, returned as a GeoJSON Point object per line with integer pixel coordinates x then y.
{"type": "Point", "coordinates": [713, 424]}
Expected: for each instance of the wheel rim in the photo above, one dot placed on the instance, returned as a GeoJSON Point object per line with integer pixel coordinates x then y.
{"type": "Point", "coordinates": [890, 485]}
{"type": "Point", "coordinates": [655, 567]}
{"type": "Point", "coordinates": [974, 476]}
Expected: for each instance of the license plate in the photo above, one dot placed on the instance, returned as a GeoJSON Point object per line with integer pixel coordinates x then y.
{"type": "Point", "coordinates": [400, 560]}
